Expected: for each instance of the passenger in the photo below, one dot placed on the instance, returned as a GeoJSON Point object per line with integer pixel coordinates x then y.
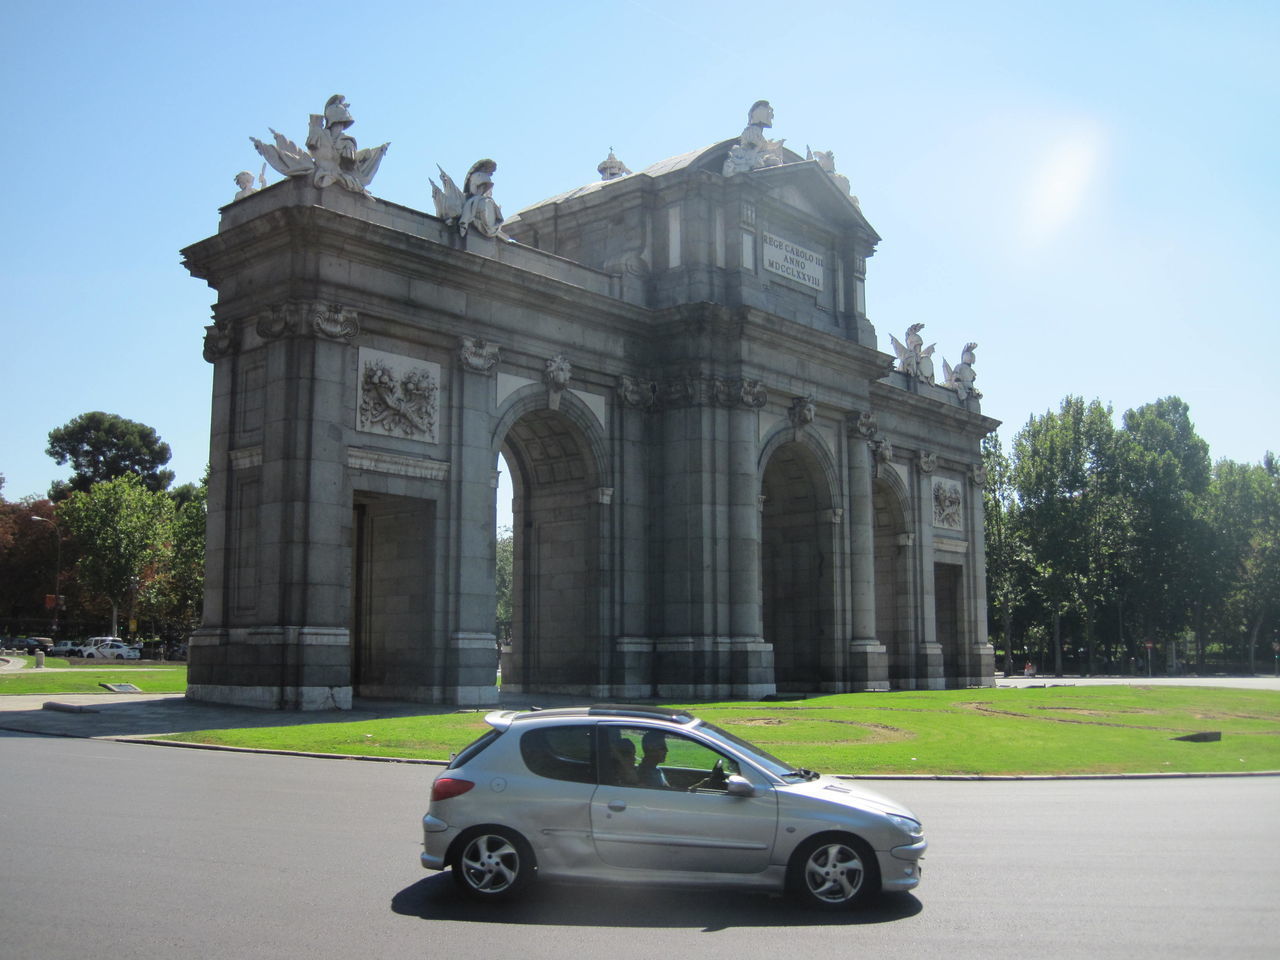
{"type": "Point", "coordinates": [654, 745]}
{"type": "Point", "coordinates": [624, 762]}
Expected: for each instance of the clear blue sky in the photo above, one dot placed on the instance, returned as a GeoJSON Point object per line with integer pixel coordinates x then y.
{"type": "Point", "coordinates": [1091, 191]}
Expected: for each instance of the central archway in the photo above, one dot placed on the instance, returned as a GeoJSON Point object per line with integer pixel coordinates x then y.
{"type": "Point", "coordinates": [797, 552]}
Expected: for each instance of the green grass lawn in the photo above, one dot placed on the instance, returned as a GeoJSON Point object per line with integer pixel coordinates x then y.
{"type": "Point", "coordinates": [1104, 729]}
{"type": "Point", "coordinates": [85, 679]}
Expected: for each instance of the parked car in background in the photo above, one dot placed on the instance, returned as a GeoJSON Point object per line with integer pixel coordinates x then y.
{"type": "Point", "coordinates": [29, 645]}
{"type": "Point", "coordinates": [65, 648]}
{"type": "Point", "coordinates": [109, 648]}
{"type": "Point", "coordinates": [556, 794]}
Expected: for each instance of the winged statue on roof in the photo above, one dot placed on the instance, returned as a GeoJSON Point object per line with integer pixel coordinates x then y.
{"type": "Point", "coordinates": [915, 359]}
{"type": "Point", "coordinates": [961, 378]}
{"type": "Point", "coordinates": [330, 156]}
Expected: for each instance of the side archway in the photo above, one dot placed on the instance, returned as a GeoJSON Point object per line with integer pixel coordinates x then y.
{"type": "Point", "coordinates": [894, 622]}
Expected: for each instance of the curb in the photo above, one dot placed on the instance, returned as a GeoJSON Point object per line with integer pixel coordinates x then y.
{"type": "Point", "coordinates": [961, 777]}
{"type": "Point", "coordinates": [269, 752]}
{"type": "Point", "coordinates": [902, 777]}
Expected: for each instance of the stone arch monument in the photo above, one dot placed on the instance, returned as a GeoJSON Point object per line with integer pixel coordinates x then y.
{"type": "Point", "coordinates": [723, 487]}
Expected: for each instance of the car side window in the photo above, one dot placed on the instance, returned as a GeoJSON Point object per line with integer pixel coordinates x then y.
{"type": "Point", "coordinates": [560, 753]}
{"type": "Point", "coordinates": [662, 760]}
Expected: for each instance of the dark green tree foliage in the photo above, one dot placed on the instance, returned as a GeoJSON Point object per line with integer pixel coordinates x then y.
{"type": "Point", "coordinates": [1062, 472]}
{"type": "Point", "coordinates": [103, 446]}
{"type": "Point", "coordinates": [123, 531]}
{"type": "Point", "coordinates": [1008, 556]}
{"type": "Point", "coordinates": [505, 557]}
{"type": "Point", "coordinates": [182, 594]}
{"type": "Point", "coordinates": [1243, 510]}
{"type": "Point", "coordinates": [1164, 472]}
{"type": "Point", "coordinates": [1101, 539]}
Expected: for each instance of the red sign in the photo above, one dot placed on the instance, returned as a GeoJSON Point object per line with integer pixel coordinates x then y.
{"type": "Point", "coordinates": [1150, 644]}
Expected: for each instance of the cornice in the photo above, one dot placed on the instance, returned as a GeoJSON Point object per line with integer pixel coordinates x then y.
{"type": "Point", "coordinates": [934, 412]}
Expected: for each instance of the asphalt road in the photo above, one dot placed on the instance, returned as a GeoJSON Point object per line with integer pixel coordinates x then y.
{"type": "Point", "coordinates": [125, 850]}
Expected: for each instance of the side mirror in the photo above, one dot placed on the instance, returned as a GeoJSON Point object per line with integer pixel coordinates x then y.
{"type": "Point", "coordinates": [737, 786]}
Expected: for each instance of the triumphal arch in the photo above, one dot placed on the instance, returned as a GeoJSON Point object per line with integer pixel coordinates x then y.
{"type": "Point", "coordinates": [724, 487]}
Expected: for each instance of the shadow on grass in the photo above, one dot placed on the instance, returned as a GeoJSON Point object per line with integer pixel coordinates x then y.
{"type": "Point", "coordinates": [116, 715]}
{"type": "Point", "coordinates": [558, 904]}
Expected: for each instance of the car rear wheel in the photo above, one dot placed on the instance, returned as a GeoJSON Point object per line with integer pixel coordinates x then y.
{"type": "Point", "coordinates": [834, 872]}
{"type": "Point", "coordinates": [493, 863]}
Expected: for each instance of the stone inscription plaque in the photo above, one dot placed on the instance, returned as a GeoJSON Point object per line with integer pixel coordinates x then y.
{"type": "Point", "coordinates": [794, 262]}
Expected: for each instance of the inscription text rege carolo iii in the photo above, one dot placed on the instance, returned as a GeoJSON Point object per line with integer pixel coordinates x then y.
{"type": "Point", "coordinates": [794, 262]}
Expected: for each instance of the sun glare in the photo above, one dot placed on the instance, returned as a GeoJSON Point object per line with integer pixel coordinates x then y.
{"type": "Point", "coordinates": [1060, 183]}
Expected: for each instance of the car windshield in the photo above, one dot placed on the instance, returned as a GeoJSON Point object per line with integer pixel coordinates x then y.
{"type": "Point", "coordinates": [767, 761]}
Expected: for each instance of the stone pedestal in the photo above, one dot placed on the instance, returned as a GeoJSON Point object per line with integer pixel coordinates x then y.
{"type": "Point", "coordinates": [868, 666]}
{"type": "Point", "coordinates": [633, 668]}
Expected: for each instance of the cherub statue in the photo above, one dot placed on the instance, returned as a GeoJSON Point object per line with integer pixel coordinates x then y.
{"type": "Point", "coordinates": [915, 359]}
{"type": "Point", "coordinates": [754, 149]}
{"type": "Point", "coordinates": [331, 155]}
{"type": "Point", "coordinates": [244, 180]}
{"type": "Point", "coordinates": [961, 378]}
{"type": "Point", "coordinates": [472, 206]}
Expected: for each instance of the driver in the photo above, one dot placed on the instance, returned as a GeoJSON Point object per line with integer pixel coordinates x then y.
{"type": "Point", "coordinates": [654, 745]}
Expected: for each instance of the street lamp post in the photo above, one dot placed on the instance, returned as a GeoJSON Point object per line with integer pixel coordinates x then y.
{"type": "Point", "coordinates": [57, 569]}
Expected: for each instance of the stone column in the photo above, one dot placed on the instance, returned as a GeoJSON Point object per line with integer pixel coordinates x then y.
{"type": "Point", "coordinates": [868, 659]}
{"type": "Point", "coordinates": [982, 658]}
{"type": "Point", "coordinates": [471, 663]}
{"type": "Point", "coordinates": [633, 648]}
{"type": "Point", "coordinates": [280, 639]}
{"type": "Point", "coordinates": [751, 658]}
{"type": "Point", "coordinates": [929, 669]}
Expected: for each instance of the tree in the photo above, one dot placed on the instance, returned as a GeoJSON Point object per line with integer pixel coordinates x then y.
{"type": "Point", "coordinates": [177, 597]}
{"type": "Point", "coordinates": [1243, 509]}
{"type": "Point", "coordinates": [502, 580]}
{"type": "Point", "coordinates": [1164, 470]}
{"type": "Point", "coordinates": [1007, 551]}
{"type": "Point", "coordinates": [1067, 508]}
{"type": "Point", "coordinates": [102, 446]}
{"type": "Point", "coordinates": [123, 532]}
{"type": "Point", "coordinates": [28, 555]}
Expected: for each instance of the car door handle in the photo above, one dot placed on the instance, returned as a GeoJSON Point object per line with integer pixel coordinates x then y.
{"type": "Point", "coordinates": [617, 806]}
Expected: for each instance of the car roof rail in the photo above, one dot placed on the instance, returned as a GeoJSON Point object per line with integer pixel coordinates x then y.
{"type": "Point", "coordinates": [642, 711]}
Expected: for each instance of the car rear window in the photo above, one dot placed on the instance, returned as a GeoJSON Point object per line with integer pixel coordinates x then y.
{"type": "Point", "coordinates": [560, 753]}
{"type": "Point", "coordinates": [474, 748]}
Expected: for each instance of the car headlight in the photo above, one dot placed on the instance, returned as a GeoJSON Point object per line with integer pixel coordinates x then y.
{"type": "Point", "coordinates": [908, 826]}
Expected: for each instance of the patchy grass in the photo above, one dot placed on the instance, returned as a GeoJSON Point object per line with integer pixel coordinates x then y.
{"type": "Point", "coordinates": [1057, 730]}
{"type": "Point", "coordinates": [147, 678]}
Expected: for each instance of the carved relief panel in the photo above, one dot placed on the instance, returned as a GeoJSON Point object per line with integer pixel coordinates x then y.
{"type": "Point", "coordinates": [947, 504]}
{"type": "Point", "coordinates": [399, 396]}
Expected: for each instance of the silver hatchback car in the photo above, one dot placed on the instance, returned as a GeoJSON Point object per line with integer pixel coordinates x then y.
{"type": "Point", "coordinates": [650, 795]}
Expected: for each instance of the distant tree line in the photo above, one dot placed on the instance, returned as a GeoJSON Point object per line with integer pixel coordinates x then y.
{"type": "Point", "coordinates": [1108, 545]}
{"type": "Point", "coordinates": [112, 549]}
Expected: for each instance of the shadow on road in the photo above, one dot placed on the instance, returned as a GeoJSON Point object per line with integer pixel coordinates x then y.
{"type": "Point", "coordinates": [554, 904]}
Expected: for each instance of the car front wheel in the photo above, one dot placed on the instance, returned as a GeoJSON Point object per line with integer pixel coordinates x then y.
{"type": "Point", "coordinates": [834, 872]}
{"type": "Point", "coordinates": [493, 863]}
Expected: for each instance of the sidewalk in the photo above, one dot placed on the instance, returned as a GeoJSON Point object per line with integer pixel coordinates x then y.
{"type": "Point", "coordinates": [139, 715]}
